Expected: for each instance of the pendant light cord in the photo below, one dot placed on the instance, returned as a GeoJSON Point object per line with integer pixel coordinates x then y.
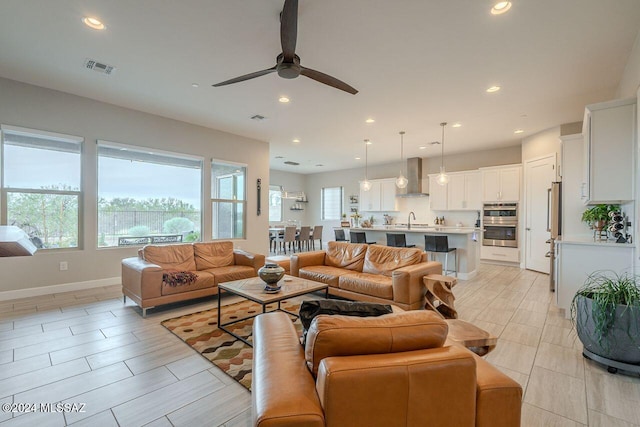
{"type": "Point", "coordinates": [401, 149]}
{"type": "Point", "coordinates": [443, 124]}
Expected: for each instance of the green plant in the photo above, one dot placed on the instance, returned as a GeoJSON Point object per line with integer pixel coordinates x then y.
{"type": "Point", "coordinates": [598, 213]}
{"type": "Point", "coordinates": [177, 225]}
{"type": "Point", "coordinates": [194, 236]}
{"type": "Point", "coordinates": [607, 290]}
{"type": "Point", "coordinates": [372, 220]}
{"type": "Point", "coordinates": [139, 231]}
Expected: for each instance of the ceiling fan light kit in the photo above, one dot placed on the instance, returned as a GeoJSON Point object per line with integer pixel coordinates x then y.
{"type": "Point", "coordinates": [401, 180]}
{"type": "Point", "coordinates": [443, 178]}
{"type": "Point", "coordinates": [288, 63]}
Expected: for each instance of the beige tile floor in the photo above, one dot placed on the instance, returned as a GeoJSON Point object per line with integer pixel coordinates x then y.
{"type": "Point", "coordinates": [87, 347]}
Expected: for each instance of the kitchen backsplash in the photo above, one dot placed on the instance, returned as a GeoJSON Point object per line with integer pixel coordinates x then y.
{"type": "Point", "coordinates": [424, 215]}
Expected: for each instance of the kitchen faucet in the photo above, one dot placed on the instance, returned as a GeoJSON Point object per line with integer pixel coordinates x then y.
{"type": "Point", "coordinates": [409, 220]}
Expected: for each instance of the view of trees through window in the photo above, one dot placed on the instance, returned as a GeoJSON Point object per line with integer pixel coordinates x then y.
{"type": "Point", "coordinates": [41, 175]}
{"type": "Point", "coordinates": [147, 197]}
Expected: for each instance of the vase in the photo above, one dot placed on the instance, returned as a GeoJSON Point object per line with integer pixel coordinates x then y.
{"type": "Point", "coordinates": [271, 273]}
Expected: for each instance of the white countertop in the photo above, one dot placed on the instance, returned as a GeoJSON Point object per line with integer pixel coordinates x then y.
{"type": "Point", "coordinates": [580, 240]}
{"type": "Point", "coordinates": [421, 229]}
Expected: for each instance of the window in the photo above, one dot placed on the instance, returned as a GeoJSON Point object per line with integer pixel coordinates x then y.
{"type": "Point", "coordinates": [275, 203]}
{"type": "Point", "coordinates": [332, 203]}
{"type": "Point", "coordinates": [228, 199]}
{"type": "Point", "coordinates": [41, 185]}
{"type": "Point", "coordinates": [147, 196]}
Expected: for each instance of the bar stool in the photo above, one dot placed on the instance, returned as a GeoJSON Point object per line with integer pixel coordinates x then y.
{"type": "Point", "coordinates": [440, 244]}
{"type": "Point", "coordinates": [398, 241]}
{"type": "Point", "coordinates": [340, 236]}
{"type": "Point", "coordinates": [359, 237]}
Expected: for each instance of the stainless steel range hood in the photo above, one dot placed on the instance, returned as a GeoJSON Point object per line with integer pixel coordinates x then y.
{"type": "Point", "coordinates": [414, 175]}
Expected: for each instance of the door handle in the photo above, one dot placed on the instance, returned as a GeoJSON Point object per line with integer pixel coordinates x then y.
{"type": "Point", "coordinates": [548, 241]}
{"type": "Point", "coordinates": [548, 209]}
{"type": "Point", "coordinates": [547, 255]}
{"type": "Point", "coordinates": [528, 229]}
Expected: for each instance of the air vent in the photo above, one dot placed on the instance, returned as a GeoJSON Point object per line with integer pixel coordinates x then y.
{"type": "Point", "coordinates": [289, 162]}
{"type": "Point", "coordinates": [434, 143]}
{"type": "Point", "coordinates": [258, 117]}
{"type": "Point", "coordinates": [94, 65]}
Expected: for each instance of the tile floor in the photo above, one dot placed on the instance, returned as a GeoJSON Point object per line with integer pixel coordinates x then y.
{"type": "Point", "coordinates": [87, 347]}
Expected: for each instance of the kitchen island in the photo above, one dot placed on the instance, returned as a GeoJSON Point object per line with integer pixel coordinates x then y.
{"type": "Point", "coordinates": [464, 239]}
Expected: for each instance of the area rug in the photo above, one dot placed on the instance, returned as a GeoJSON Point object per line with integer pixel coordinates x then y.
{"type": "Point", "coordinates": [200, 330]}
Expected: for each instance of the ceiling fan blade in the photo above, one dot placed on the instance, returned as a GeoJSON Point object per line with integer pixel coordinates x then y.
{"type": "Point", "coordinates": [246, 77]}
{"type": "Point", "coordinates": [289, 29]}
{"type": "Point", "coordinates": [327, 79]}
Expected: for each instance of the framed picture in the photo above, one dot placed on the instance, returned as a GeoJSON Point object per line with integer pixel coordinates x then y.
{"type": "Point", "coordinates": [345, 224]}
{"type": "Point", "coordinates": [353, 199]}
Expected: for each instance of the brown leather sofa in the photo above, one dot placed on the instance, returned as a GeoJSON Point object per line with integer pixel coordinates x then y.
{"type": "Point", "coordinates": [371, 273]}
{"type": "Point", "coordinates": [393, 370]}
{"type": "Point", "coordinates": [212, 262]}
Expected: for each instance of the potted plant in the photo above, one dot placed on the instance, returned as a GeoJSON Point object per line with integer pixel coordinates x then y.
{"type": "Point", "coordinates": [606, 315]}
{"type": "Point", "coordinates": [597, 216]}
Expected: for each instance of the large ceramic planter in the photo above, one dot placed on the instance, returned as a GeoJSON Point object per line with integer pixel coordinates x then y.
{"type": "Point", "coordinates": [621, 342]}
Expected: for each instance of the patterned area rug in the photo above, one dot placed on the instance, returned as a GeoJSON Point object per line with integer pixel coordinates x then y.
{"type": "Point", "coordinates": [200, 331]}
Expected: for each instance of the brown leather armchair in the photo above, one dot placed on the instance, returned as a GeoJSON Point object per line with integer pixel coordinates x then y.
{"type": "Point", "coordinates": [392, 370]}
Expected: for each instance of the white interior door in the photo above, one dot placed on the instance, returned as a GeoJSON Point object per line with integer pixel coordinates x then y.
{"type": "Point", "coordinates": [539, 174]}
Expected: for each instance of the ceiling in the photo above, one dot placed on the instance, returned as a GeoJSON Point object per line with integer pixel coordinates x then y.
{"type": "Point", "coordinates": [415, 63]}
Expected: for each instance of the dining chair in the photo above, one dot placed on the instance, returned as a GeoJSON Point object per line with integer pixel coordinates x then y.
{"type": "Point", "coordinates": [340, 236]}
{"type": "Point", "coordinates": [440, 244]}
{"type": "Point", "coordinates": [316, 235]}
{"type": "Point", "coordinates": [289, 237]}
{"type": "Point", "coordinates": [303, 237]}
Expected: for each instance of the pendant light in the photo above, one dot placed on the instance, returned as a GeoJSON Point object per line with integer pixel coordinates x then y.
{"type": "Point", "coordinates": [366, 184]}
{"type": "Point", "coordinates": [442, 178]}
{"type": "Point", "coordinates": [401, 181]}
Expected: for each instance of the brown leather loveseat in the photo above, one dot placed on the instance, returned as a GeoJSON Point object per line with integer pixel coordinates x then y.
{"type": "Point", "coordinates": [371, 273]}
{"type": "Point", "coordinates": [393, 370]}
{"type": "Point", "coordinates": [211, 262]}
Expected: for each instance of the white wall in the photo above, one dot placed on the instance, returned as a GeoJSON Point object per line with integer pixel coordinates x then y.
{"type": "Point", "coordinates": [39, 108]}
{"type": "Point", "coordinates": [291, 182]}
{"type": "Point", "coordinates": [631, 76]}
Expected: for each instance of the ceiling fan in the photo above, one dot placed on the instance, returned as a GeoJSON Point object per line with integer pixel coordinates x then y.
{"type": "Point", "coordinates": [288, 63]}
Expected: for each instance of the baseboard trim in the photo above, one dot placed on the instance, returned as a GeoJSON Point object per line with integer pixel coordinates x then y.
{"type": "Point", "coordinates": [55, 289]}
{"type": "Point", "coordinates": [467, 276]}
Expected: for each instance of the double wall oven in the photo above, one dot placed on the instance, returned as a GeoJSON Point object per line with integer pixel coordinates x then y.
{"type": "Point", "coordinates": [500, 222]}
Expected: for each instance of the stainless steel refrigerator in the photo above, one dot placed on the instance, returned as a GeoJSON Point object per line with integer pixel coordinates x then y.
{"type": "Point", "coordinates": [554, 227]}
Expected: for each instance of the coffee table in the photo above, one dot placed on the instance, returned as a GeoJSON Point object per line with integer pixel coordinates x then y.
{"type": "Point", "coordinates": [253, 290]}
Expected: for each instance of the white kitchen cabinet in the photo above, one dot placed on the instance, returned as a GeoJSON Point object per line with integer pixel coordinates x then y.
{"type": "Point", "coordinates": [498, 253]}
{"type": "Point", "coordinates": [463, 191]}
{"type": "Point", "coordinates": [380, 198]}
{"type": "Point", "coordinates": [501, 184]}
{"type": "Point", "coordinates": [575, 260]}
{"type": "Point", "coordinates": [608, 156]}
{"type": "Point", "coordinates": [437, 195]}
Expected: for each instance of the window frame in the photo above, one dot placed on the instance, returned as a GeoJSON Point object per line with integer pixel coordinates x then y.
{"type": "Point", "coordinates": [154, 151]}
{"type": "Point", "coordinates": [4, 191]}
{"type": "Point", "coordinates": [322, 203]}
{"type": "Point", "coordinates": [234, 201]}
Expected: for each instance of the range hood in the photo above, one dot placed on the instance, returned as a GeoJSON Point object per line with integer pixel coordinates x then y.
{"type": "Point", "coordinates": [414, 187]}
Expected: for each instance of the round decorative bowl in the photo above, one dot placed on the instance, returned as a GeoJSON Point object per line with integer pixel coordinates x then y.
{"type": "Point", "coordinates": [271, 273]}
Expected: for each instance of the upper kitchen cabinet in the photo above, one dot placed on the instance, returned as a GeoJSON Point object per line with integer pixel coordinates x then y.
{"type": "Point", "coordinates": [380, 198]}
{"type": "Point", "coordinates": [463, 192]}
{"type": "Point", "coordinates": [501, 184]}
{"type": "Point", "coordinates": [437, 194]}
{"type": "Point", "coordinates": [608, 157]}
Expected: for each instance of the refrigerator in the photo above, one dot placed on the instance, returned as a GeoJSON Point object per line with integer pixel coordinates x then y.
{"type": "Point", "coordinates": [554, 227]}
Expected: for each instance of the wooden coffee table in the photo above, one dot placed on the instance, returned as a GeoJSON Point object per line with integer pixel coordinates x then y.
{"type": "Point", "coordinates": [253, 290]}
{"type": "Point", "coordinates": [474, 338]}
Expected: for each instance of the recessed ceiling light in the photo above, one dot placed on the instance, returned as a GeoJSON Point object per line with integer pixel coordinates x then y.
{"type": "Point", "coordinates": [423, 147]}
{"type": "Point", "coordinates": [296, 141]}
{"type": "Point", "coordinates": [518, 131]}
{"type": "Point", "coordinates": [500, 7]}
{"type": "Point", "coordinates": [368, 141]}
{"type": "Point", "coordinates": [358, 158]}
{"type": "Point", "coordinates": [456, 125]}
{"type": "Point", "coordinates": [94, 23]}
{"type": "Point", "coordinates": [283, 99]}
{"type": "Point", "coordinates": [370, 120]}
{"type": "Point", "coordinates": [493, 89]}
{"type": "Point", "coordinates": [195, 85]}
